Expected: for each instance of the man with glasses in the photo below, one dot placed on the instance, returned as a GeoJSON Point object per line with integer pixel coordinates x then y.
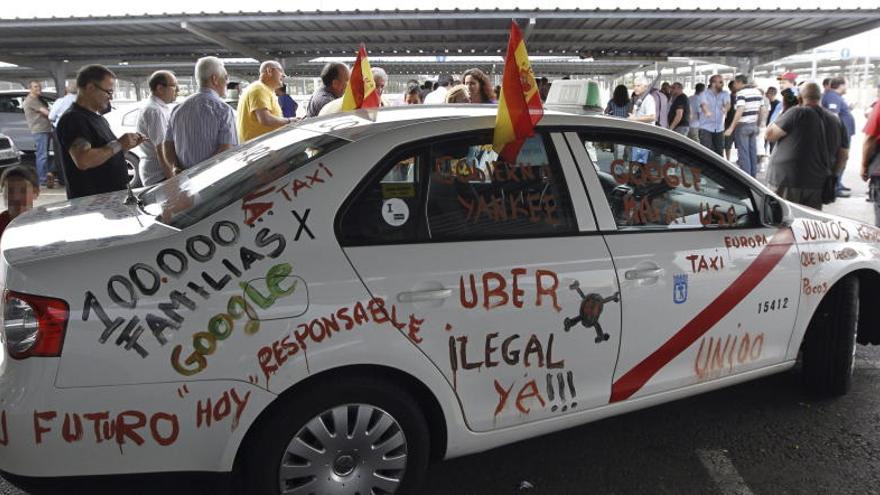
{"type": "Point", "coordinates": [258, 109]}
{"type": "Point", "coordinates": [152, 123]}
{"type": "Point", "coordinates": [93, 157]}
{"type": "Point", "coordinates": [203, 124]}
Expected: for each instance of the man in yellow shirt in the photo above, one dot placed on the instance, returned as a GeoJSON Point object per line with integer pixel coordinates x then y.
{"type": "Point", "coordinates": [258, 108]}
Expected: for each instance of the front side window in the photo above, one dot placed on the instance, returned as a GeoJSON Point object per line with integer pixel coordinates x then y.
{"type": "Point", "coordinates": [653, 186]}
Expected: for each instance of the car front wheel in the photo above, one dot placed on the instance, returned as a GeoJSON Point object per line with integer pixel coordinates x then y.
{"type": "Point", "coordinates": [830, 343]}
{"type": "Point", "coordinates": [361, 437]}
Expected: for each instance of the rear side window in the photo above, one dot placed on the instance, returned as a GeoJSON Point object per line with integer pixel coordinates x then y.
{"type": "Point", "coordinates": [474, 194]}
{"type": "Point", "coordinates": [459, 189]}
{"type": "Point", "coordinates": [655, 186]}
{"type": "Point", "coordinates": [203, 190]}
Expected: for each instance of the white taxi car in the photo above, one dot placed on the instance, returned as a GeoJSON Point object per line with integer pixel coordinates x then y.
{"type": "Point", "coordinates": [330, 307]}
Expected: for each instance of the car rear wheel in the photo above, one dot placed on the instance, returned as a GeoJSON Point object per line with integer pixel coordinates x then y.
{"type": "Point", "coordinates": [830, 343]}
{"type": "Point", "coordinates": [361, 437]}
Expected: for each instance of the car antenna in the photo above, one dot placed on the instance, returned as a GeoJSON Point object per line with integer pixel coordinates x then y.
{"type": "Point", "coordinates": [130, 199]}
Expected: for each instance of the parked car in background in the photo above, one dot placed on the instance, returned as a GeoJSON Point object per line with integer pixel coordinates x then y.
{"type": "Point", "coordinates": [328, 307]}
{"type": "Point", "coordinates": [9, 153]}
{"type": "Point", "coordinates": [123, 118]}
{"type": "Point", "coordinates": [12, 121]}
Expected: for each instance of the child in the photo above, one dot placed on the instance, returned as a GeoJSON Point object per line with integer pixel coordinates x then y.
{"type": "Point", "coordinates": [21, 189]}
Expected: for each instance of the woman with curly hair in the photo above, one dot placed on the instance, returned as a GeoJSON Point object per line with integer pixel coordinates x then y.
{"type": "Point", "coordinates": [479, 86]}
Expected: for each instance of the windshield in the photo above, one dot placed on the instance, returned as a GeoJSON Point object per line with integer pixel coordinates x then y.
{"type": "Point", "coordinates": [216, 183]}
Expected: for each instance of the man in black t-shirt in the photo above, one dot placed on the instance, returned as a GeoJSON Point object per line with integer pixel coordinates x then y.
{"type": "Point", "coordinates": [679, 110]}
{"type": "Point", "coordinates": [93, 157]}
{"type": "Point", "coordinates": [812, 144]}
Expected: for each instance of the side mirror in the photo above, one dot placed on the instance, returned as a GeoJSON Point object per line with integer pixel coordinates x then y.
{"type": "Point", "coordinates": [776, 212]}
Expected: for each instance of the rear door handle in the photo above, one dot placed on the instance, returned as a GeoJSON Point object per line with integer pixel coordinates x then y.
{"type": "Point", "coordinates": [424, 295]}
{"type": "Point", "coordinates": [644, 273]}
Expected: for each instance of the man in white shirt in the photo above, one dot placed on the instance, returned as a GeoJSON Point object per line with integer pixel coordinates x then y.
{"type": "Point", "coordinates": [62, 104]}
{"type": "Point", "coordinates": [645, 111]}
{"type": "Point", "coordinates": [152, 123]}
{"type": "Point", "coordinates": [744, 126]}
{"type": "Point", "coordinates": [439, 95]}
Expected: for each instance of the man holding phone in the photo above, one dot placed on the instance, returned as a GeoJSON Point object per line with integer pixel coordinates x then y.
{"type": "Point", "coordinates": [93, 157]}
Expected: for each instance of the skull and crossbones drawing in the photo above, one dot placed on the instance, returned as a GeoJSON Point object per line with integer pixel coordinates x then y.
{"type": "Point", "coordinates": [590, 310]}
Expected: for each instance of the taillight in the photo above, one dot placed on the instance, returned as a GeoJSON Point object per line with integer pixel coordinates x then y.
{"type": "Point", "coordinates": [34, 325]}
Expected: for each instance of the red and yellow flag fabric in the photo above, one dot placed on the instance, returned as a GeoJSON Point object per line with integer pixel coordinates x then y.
{"type": "Point", "coordinates": [519, 104]}
{"type": "Point", "coordinates": [361, 89]}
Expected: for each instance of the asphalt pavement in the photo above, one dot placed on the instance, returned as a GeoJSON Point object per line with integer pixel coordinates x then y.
{"type": "Point", "coordinates": [762, 437]}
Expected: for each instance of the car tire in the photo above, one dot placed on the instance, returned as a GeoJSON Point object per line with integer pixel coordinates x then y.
{"type": "Point", "coordinates": [830, 343]}
{"type": "Point", "coordinates": [284, 439]}
{"type": "Point", "coordinates": [132, 162]}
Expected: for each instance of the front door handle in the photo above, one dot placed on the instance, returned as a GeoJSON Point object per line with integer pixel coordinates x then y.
{"type": "Point", "coordinates": [642, 274]}
{"type": "Point", "coordinates": [424, 295]}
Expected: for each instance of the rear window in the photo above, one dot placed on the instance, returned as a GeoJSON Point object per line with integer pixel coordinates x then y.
{"type": "Point", "coordinates": [217, 182]}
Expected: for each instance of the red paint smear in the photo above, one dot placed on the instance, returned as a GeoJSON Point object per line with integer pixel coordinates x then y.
{"type": "Point", "coordinates": [770, 256]}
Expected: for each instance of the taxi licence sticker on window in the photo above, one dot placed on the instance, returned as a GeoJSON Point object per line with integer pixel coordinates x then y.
{"type": "Point", "coordinates": [398, 190]}
{"type": "Point", "coordinates": [395, 212]}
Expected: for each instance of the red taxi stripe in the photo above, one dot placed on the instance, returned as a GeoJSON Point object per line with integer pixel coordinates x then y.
{"type": "Point", "coordinates": [769, 257]}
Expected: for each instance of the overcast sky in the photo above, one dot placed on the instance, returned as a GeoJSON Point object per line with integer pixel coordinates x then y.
{"type": "Point", "coordinates": [18, 8]}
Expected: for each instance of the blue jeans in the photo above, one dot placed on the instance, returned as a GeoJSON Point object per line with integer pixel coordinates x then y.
{"type": "Point", "coordinates": [745, 138]}
{"type": "Point", "coordinates": [41, 139]}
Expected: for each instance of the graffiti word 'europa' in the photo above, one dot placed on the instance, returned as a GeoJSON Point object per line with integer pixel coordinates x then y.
{"type": "Point", "coordinates": [496, 292]}
{"type": "Point", "coordinates": [221, 325]}
{"type": "Point", "coordinates": [135, 426]}
{"type": "Point", "coordinates": [173, 263]}
{"type": "Point", "coordinates": [273, 357]}
{"type": "Point", "coordinates": [717, 356]}
{"type": "Point", "coordinates": [742, 241]}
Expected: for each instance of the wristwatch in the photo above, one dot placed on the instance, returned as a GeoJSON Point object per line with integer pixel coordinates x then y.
{"type": "Point", "coordinates": [116, 146]}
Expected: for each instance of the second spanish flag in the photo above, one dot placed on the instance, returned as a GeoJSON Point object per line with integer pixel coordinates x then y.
{"type": "Point", "coordinates": [361, 89]}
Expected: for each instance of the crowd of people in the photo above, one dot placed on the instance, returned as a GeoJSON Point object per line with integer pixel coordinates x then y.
{"type": "Point", "coordinates": [805, 134]}
{"type": "Point", "coordinates": [200, 126]}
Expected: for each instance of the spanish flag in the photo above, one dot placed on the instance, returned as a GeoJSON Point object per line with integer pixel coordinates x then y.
{"type": "Point", "coordinates": [519, 105]}
{"type": "Point", "coordinates": [361, 89]}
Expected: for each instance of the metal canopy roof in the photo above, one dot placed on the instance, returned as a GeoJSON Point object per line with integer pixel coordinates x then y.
{"type": "Point", "coordinates": [619, 35]}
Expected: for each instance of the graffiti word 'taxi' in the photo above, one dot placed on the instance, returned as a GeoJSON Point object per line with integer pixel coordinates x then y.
{"type": "Point", "coordinates": [700, 263]}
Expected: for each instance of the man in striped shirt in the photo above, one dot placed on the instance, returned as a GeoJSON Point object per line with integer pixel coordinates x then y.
{"type": "Point", "coordinates": [203, 125]}
{"type": "Point", "coordinates": [744, 126]}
